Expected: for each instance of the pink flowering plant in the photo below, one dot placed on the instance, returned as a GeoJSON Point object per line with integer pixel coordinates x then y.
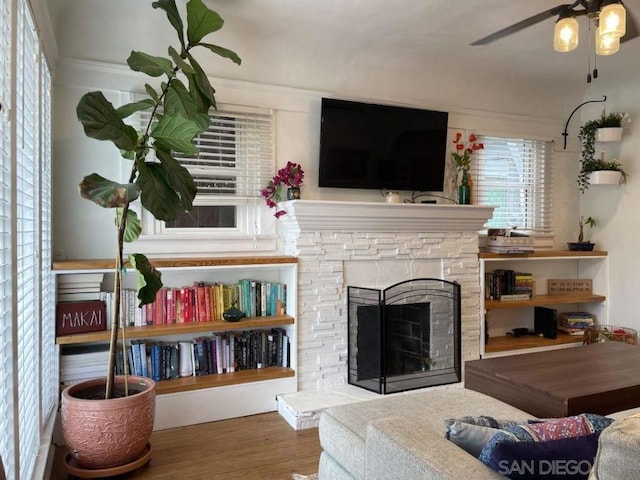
{"type": "Point", "coordinates": [290, 175]}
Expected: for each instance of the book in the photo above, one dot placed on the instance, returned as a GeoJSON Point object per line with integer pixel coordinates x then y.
{"type": "Point", "coordinates": [512, 297]}
{"type": "Point", "coordinates": [80, 278]}
{"type": "Point", "coordinates": [78, 296]}
{"type": "Point", "coordinates": [508, 249]}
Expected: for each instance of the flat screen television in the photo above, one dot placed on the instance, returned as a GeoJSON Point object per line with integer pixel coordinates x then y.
{"type": "Point", "coordinates": [364, 145]}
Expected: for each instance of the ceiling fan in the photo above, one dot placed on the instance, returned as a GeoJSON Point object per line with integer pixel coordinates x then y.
{"type": "Point", "coordinates": [590, 8]}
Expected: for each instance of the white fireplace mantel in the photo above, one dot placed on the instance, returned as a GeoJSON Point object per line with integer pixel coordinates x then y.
{"type": "Point", "coordinates": [319, 215]}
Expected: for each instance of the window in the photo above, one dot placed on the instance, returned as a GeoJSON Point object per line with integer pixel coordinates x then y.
{"type": "Point", "coordinates": [28, 371]}
{"type": "Point", "coordinates": [513, 174]}
{"type": "Point", "coordinates": [235, 160]}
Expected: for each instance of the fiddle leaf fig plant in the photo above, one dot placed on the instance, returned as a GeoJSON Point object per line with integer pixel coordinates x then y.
{"type": "Point", "coordinates": [178, 113]}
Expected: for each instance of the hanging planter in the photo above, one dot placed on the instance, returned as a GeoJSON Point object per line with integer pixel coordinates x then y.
{"type": "Point", "coordinates": [609, 134]}
{"type": "Point", "coordinates": [605, 177]}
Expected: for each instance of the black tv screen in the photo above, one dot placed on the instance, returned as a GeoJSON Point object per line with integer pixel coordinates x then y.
{"type": "Point", "coordinates": [364, 145]}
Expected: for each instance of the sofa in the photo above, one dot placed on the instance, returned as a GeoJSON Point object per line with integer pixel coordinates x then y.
{"type": "Point", "coordinates": [402, 436]}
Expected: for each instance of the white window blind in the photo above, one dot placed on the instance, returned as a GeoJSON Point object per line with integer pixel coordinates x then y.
{"type": "Point", "coordinates": [27, 298]}
{"type": "Point", "coordinates": [235, 157]}
{"type": "Point", "coordinates": [28, 366]}
{"type": "Point", "coordinates": [514, 175]}
{"type": "Point", "coordinates": [48, 351]}
{"type": "Point", "coordinates": [6, 311]}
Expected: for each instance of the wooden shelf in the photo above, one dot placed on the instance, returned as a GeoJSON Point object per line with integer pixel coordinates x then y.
{"type": "Point", "coordinates": [177, 329]}
{"type": "Point", "coordinates": [543, 254]}
{"type": "Point", "coordinates": [176, 262]}
{"type": "Point", "coordinates": [540, 300]}
{"type": "Point", "coordinates": [509, 343]}
{"type": "Point", "coordinates": [209, 381]}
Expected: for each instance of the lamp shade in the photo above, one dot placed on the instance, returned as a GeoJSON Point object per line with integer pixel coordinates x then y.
{"type": "Point", "coordinates": [613, 20]}
{"type": "Point", "coordinates": [565, 34]}
{"type": "Point", "coordinates": [607, 44]}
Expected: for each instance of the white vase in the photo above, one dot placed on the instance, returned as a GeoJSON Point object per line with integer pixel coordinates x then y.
{"type": "Point", "coordinates": [609, 134]}
{"type": "Point", "coordinates": [605, 177]}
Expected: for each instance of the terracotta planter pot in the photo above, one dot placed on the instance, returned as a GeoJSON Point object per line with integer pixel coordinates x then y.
{"type": "Point", "coordinates": [108, 433]}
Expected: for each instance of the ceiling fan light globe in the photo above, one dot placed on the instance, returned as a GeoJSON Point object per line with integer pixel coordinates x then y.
{"type": "Point", "coordinates": [613, 20]}
{"type": "Point", "coordinates": [607, 44]}
{"type": "Point", "coordinates": [565, 35]}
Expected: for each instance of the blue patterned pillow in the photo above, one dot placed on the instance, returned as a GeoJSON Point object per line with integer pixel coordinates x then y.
{"type": "Point", "coordinates": [552, 448]}
{"type": "Point", "coordinates": [472, 433]}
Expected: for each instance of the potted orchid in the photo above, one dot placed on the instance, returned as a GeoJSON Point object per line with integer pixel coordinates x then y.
{"type": "Point", "coordinates": [462, 158]}
{"type": "Point", "coordinates": [291, 176]}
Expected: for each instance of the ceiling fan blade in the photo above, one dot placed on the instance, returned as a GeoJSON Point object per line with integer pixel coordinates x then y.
{"type": "Point", "coordinates": [632, 28]}
{"type": "Point", "coordinates": [521, 25]}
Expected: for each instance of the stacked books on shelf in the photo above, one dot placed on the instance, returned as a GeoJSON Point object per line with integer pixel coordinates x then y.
{"type": "Point", "coordinates": [509, 244]}
{"type": "Point", "coordinates": [201, 302]}
{"type": "Point", "coordinates": [224, 352]}
{"type": "Point", "coordinates": [82, 362]}
{"type": "Point", "coordinates": [506, 285]}
{"type": "Point", "coordinates": [575, 323]}
{"type": "Point", "coordinates": [74, 287]}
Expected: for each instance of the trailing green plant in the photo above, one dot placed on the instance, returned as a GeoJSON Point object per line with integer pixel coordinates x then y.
{"type": "Point", "coordinates": [587, 137]}
{"type": "Point", "coordinates": [179, 112]}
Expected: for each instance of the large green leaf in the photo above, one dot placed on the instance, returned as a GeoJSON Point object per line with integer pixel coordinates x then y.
{"type": "Point", "coordinates": [179, 61]}
{"type": "Point", "coordinates": [201, 21]}
{"type": "Point", "coordinates": [203, 103]}
{"type": "Point", "coordinates": [175, 132]}
{"type": "Point", "coordinates": [223, 52]}
{"type": "Point", "coordinates": [179, 100]}
{"type": "Point", "coordinates": [106, 193]}
{"type": "Point", "coordinates": [151, 92]}
{"type": "Point", "coordinates": [133, 227]}
{"type": "Point", "coordinates": [179, 179]}
{"type": "Point", "coordinates": [149, 279]}
{"type": "Point", "coordinates": [149, 64]}
{"type": "Point", "coordinates": [130, 108]}
{"type": "Point", "coordinates": [102, 122]}
{"type": "Point", "coordinates": [173, 15]}
{"type": "Point", "coordinates": [156, 194]}
{"type": "Point", "coordinates": [202, 81]}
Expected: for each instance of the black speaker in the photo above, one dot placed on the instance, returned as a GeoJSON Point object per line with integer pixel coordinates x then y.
{"type": "Point", "coordinates": [545, 322]}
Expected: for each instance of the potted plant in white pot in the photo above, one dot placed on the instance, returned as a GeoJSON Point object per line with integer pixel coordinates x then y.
{"type": "Point", "coordinates": [610, 126]}
{"type": "Point", "coordinates": [593, 170]}
{"type": "Point", "coordinates": [107, 422]}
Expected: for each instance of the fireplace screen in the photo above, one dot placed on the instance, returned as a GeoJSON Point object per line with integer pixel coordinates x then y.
{"type": "Point", "coordinates": [404, 337]}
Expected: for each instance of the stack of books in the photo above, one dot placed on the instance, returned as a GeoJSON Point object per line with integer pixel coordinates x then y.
{"type": "Point", "coordinates": [575, 323]}
{"type": "Point", "coordinates": [504, 244]}
{"type": "Point", "coordinates": [82, 362]}
{"type": "Point", "coordinates": [508, 285]}
{"type": "Point", "coordinates": [78, 287]}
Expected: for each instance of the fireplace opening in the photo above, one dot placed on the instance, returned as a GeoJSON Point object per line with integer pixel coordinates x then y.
{"type": "Point", "coordinates": [404, 337]}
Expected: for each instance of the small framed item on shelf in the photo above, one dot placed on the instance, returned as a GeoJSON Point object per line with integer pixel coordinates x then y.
{"type": "Point", "coordinates": [569, 285]}
{"type": "Point", "coordinates": [80, 317]}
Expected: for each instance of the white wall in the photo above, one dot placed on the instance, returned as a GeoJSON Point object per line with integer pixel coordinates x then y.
{"type": "Point", "coordinates": [615, 208]}
{"type": "Point", "coordinates": [82, 230]}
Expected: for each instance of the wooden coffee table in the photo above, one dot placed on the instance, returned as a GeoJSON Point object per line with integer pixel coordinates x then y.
{"type": "Point", "coordinates": [599, 378]}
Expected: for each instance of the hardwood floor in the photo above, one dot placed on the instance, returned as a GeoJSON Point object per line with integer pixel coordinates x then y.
{"type": "Point", "coordinates": [256, 447]}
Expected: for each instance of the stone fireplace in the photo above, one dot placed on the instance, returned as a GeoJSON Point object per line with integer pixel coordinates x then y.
{"type": "Point", "coordinates": [374, 245]}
